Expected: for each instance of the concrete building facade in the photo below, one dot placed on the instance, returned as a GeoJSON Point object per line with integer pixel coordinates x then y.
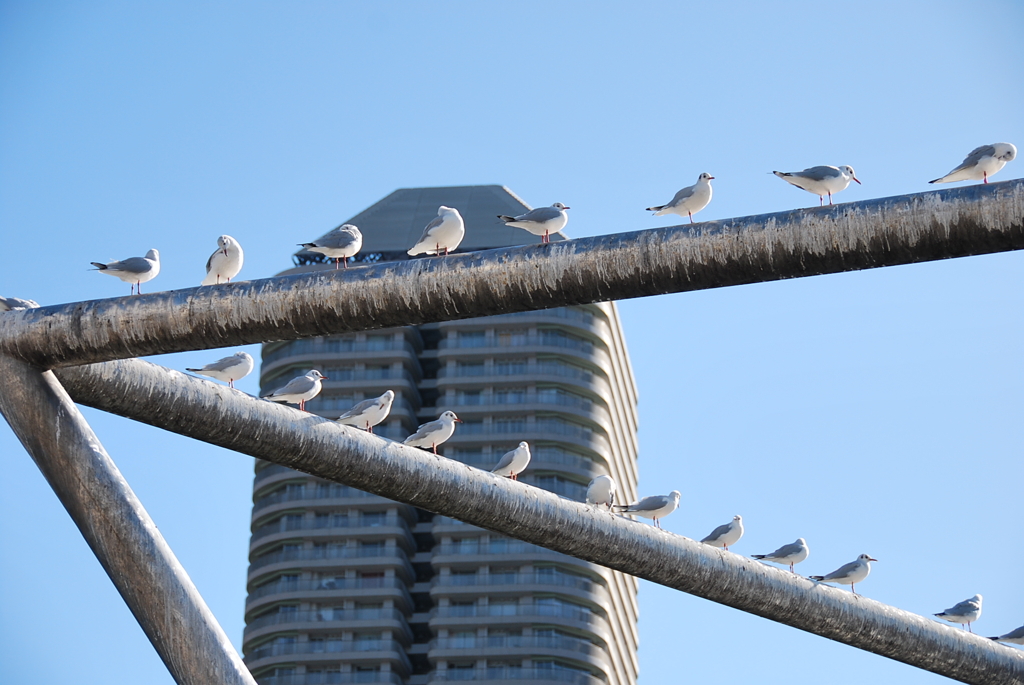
{"type": "Point", "coordinates": [348, 587]}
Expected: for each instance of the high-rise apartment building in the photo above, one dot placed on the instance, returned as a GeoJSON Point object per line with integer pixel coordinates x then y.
{"type": "Point", "coordinates": [349, 587]}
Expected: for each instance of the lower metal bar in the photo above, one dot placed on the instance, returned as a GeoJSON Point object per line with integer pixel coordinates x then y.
{"type": "Point", "coordinates": [124, 538]}
{"type": "Point", "coordinates": [229, 418]}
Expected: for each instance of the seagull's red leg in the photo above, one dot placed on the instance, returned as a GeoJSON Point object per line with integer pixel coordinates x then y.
{"type": "Point", "coordinates": [830, 198]}
{"type": "Point", "coordinates": [345, 261]}
{"type": "Point", "coordinates": [691, 216]}
{"type": "Point", "coordinates": [336, 260]}
{"type": "Point", "coordinates": [851, 588]}
{"type": "Point", "coordinates": [726, 547]}
{"type": "Point", "coordinates": [821, 201]}
{"type": "Point", "coordinates": [985, 176]}
{"type": "Point", "coordinates": [791, 569]}
{"type": "Point", "coordinates": [434, 447]}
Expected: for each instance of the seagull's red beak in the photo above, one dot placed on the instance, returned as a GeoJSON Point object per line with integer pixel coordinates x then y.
{"type": "Point", "coordinates": [460, 420]}
{"type": "Point", "coordinates": [857, 180]}
{"type": "Point", "coordinates": [870, 559]}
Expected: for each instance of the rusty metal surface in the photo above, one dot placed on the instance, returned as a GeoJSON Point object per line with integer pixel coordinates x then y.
{"type": "Point", "coordinates": [120, 532]}
{"type": "Point", "coordinates": [940, 224]}
{"type": "Point", "coordinates": [229, 418]}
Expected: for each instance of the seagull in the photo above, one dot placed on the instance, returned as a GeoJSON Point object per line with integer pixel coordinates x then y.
{"type": "Point", "coordinates": [433, 433]}
{"type": "Point", "coordinates": [689, 200]}
{"type": "Point", "coordinates": [1016, 636]}
{"type": "Point", "coordinates": [727, 534]}
{"type": "Point", "coordinates": [542, 221]}
{"type": "Point", "coordinates": [965, 612]}
{"type": "Point", "coordinates": [791, 554]}
{"type": "Point", "coordinates": [820, 180]}
{"type": "Point", "coordinates": [981, 163]}
{"type": "Point", "coordinates": [368, 413]}
{"type": "Point", "coordinates": [8, 304]}
{"type": "Point", "coordinates": [229, 369]}
{"type": "Point", "coordinates": [339, 244]}
{"type": "Point", "coordinates": [225, 263]}
{"type": "Point", "coordinates": [514, 462]}
{"type": "Point", "coordinates": [652, 507]}
{"type": "Point", "coordinates": [443, 233]}
{"type": "Point", "coordinates": [601, 491]}
{"type": "Point", "coordinates": [849, 574]}
{"type": "Point", "coordinates": [134, 270]}
{"type": "Point", "coordinates": [299, 390]}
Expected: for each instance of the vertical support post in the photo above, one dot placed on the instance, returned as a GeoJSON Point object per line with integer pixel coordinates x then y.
{"type": "Point", "coordinates": [124, 538]}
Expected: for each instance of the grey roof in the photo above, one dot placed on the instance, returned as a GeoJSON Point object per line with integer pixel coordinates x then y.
{"type": "Point", "coordinates": [395, 223]}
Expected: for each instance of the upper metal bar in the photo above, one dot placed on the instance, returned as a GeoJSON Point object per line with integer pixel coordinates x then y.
{"type": "Point", "coordinates": [940, 224]}
{"type": "Point", "coordinates": [229, 418]}
{"type": "Point", "coordinates": [120, 532]}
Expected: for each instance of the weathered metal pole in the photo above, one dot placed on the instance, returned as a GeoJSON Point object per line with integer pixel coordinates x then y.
{"type": "Point", "coordinates": [229, 418]}
{"type": "Point", "coordinates": [940, 224]}
{"type": "Point", "coordinates": [125, 540]}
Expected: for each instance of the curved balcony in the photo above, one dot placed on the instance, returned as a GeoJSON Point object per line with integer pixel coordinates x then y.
{"type": "Point", "coordinates": [530, 611]}
{"type": "Point", "coordinates": [327, 619]}
{"type": "Point", "coordinates": [490, 580]}
{"type": "Point", "coordinates": [387, 526]}
{"type": "Point", "coordinates": [312, 494]}
{"type": "Point", "coordinates": [542, 339]}
{"type": "Point", "coordinates": [512, 646]}
{"type": "Point", "coordinates": [546, 458]}
{"type": "Point", "coordinates": [331, 533]}
{"type": "Point", "coordinates": [326, 590]}
{"type": "Point", "coordinates": [574, 315]}
{"type": "Point", "coordinates": [329, 554]}
{"type": "Point", "coordinates": [593, 413]}
{"type": "Point", "coordinates": [550, 371]}
{"type": "Point", "coordinates": [546, 428]}
{"type": "Point", "coordinates": [349, 651]}
{"type": "Point", "coordinates": [331, 678]}
{"type": "Point", "coordinates": [466, 553]}
{"type": "Point", "coordinates": [537, 675]}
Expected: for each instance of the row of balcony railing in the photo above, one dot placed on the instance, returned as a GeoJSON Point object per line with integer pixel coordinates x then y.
{"type": "Point", "coordinates": [504, 398]}
{"type": "Point", "coordinates": [565, 643]}
{"type": "Point", "coordinates": [547, 339]}
{"type": "Point", "coordinates": [543, 368]}
{"type": "Point", "coordinates": [326, 585]}
{"type": "Point", "coordinates": [330, 552]}
{"type": "Point", "coordinates": [544, 577]}
{"type": "Point", "coordinates": [562, 675]}
{"type": "Point", "coordinates": [323, 647]}
{"type": "Point", "coordinates": [325, 615]}
{"type": "Point", "coordinates": [335, 346]}
{"type": "Point", "coordinates": [331, 678]}
{"type": "Point", "coordinates": [574, 613]}
{"type": "Point", "coordinates": [287, 524]}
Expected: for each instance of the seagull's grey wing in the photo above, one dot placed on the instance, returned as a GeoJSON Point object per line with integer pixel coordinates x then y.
{"type": "Point", "coordinates": [438, 220]}
{"type": "Point", "coordinates": [296, 386]}
{"type": "Point", "coordinates": [650, 503]}
{"type": "Point", "coordinates": [974, 157]}
{"type": "Point", "coordinates": [359, 409]}
{"type": "Point", "coordinates": [681, 196]}
{"type": "Point", "coordinates": [962, 608]}
{"type": "Point", "coordinates": [337, 239]}
{"type": "Point", "coordinates": [540, 215]}
{"type": "Point", "coordinates": [1015, 634]}
{"type": "Point", "coordinates": [505, 460]}
{"type": "Point", "coordinates": [843, 571]}
{"type": "Point", "coordinates": [209, 264]}
{"type": "Point", "coordinates": [224, 364]}
{"type": "Point", "coordinates": [786, 550]}
{"type": "Point", "coordinates": [819, 173]}
{"type": "Point", "coordinates": [132, 265]}
{"type": "Point", "coordinates": [717, 533]}
{"type": "Point", "coordinates": [426, 429]}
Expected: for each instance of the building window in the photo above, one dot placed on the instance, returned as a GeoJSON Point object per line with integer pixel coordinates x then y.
{"type": "Point", "coordinates": [511, 367]}
{"type": "Point", "coordinates": [463, 577]}
{"type": "Point", "coordinates": [378, 342]}
{"type": "Point", "coordinates": [377, 372]}
{"type": "Point", "coordinates": [463, 639]}
{"type": "Point", "coordinates": [502, 607]}
{"type": "Point", "coordinates": [472, 339]}
{"type": "Point", "coordinates": [469, 397]}
{"type": "Point", "coordinates": [512, 337]}
{"type": "Point", "coordinates": [469, 369]}
{"type": "Point", "coordinates": [510, 396]}
{"type": "Point", "coordinates": [374, 518]}
{"type": "Point", "coordinates": [371, 580]}
{"type": "Point", "coordinates": [513, 425]}
{"type": "Point", "coordinates": [462, 608]}
{"type": "Point", "coordinates": [461, 671]}
{"type": "Point", "coordinates": [371, 549]}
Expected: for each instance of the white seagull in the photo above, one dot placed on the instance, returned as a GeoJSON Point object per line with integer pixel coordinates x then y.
{"type": "Point", "coordinates": [134, 270]}
{"type": "Point", "coordinates": [338, 244]}
{"type": "Point", "coordinates": [849, 574]}
{"type": "Point", "coordinates": [9, 304]}
{"type": "Point", "coordinates": [514, 462]}
{"type": "Point", "coordinates": [964, 613]}
{"type": "Point", "coordinates": [433, 433]}
{"type": "Point", "coordinates": [653, 507]}
{"type": "Point", "coordinates": [229, 369]}
{"type": "Point", "coordinates": [225, 263]}
{"type": "Point", "coordinates": [1015, 636]}
{"type": "Point", "coordinates": [820, 180]}
{"type": "Point", "coordinates": [299, 390]}
{"type": "Point", "coordinates": [791, 554]}
{"type": "Point", "coordinates": [542, 221]}
{"type": "Point", "coordinates": [689, 200]}
{"type": "Point", "coordinates": [981, 163]}
{"type": "Point", "coordinates": [601, 491]}
{"type": "Point", "coordinates": [443, 233]}
{"type": "Point", "coordinates": [726, 534]}
{"type": "Point", "coordinates": [368, 413]}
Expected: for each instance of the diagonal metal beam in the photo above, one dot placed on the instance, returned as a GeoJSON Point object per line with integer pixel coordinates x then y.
{"type": "Point", "coordinates": [229, 418]}
{"type": "Point", "coordinates": [120, 532]}
{"type": "Point", "coordinates": [940, 224]}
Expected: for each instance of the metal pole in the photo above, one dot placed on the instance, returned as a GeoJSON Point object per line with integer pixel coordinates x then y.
{"type": "Point", "coordinates": [955, 222]}
{"type": "Point", "coordinates": [125, 540]}
{"type": "Point", "coordinates": [229, 418]}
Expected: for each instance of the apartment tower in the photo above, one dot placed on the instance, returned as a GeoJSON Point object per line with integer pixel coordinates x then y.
{"type": "Point", "coordinates": [349, 587]}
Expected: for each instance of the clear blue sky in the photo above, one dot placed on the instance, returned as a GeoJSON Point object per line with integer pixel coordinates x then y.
{"type": "Point", "coordinates": [872, 412]}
